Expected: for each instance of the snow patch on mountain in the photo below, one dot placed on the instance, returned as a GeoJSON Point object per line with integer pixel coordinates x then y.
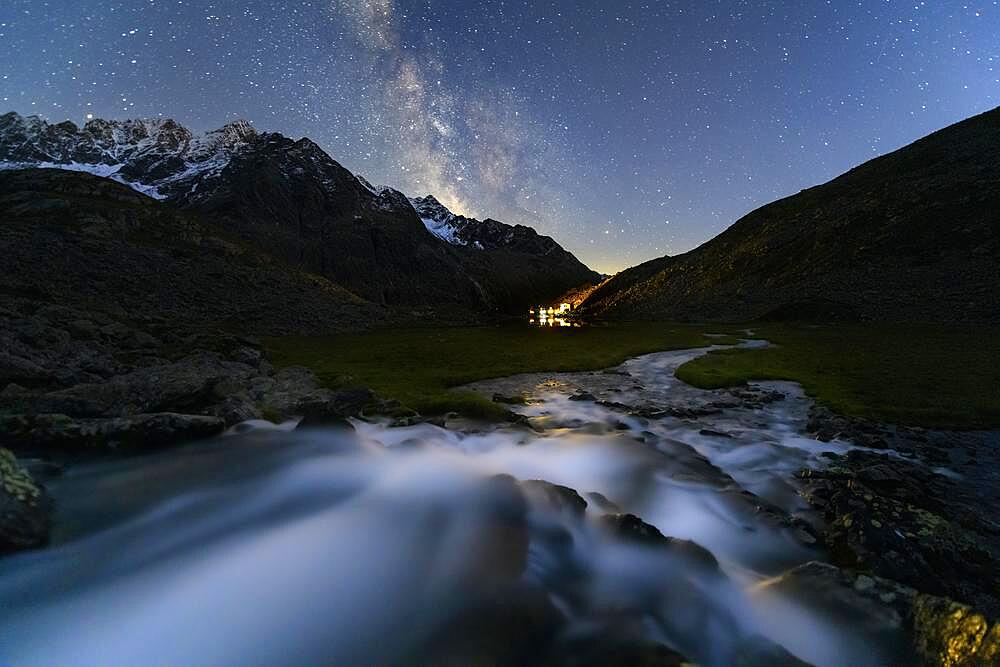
{"type": "Point", "coordinates": [442, 230]}
{"type": "Point", "coordinates": [103, 170]}
{"type": "Point", "coordinates": [157, 157]}
{"type": "Point", "coordinates": [441, 222]}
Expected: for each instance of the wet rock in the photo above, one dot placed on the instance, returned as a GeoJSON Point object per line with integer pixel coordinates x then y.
{"type": "Point", "coordinates": [583, 396]}
{"type": "Point", "coordinates": [714, 434]}
{"type": "Point", "coordinates": [948, 633]}
{"type": "Point", "coordinates": [24, 507]}
{"type": "Point", "coordinates": [119, 365]}
{"type": "Point", "coordinates": [326, 407]}
{"type": "Point", "coordinates": [826, 425]}
{"type": "Point", "coordinates": [75, 435]}
{"type": "Point", "coordinates": [556, 496]}
{"type": "Point", "coordinates": [633, 529]}
{"type": "Point", "coordinates": [615, 405]}
{"type": "Point", "coordinates": [510, 400]}
{"type": "Point", "coordinates": [602, 650]}
{"type": "Point", "coordinates": [239, 408]}
{"type": "Point", "coordinates": [602, 502]}
{"type": "Point", "coordinates": [687, 465]}
{"type": "Point", "coordinates": [756, 396]}
{"type": "Point", "coordinates": [189, 384]}
{"type": "Point", "coordinates": [903, 521]}
{"type": "Point", "coordinates": [913, 627]}
{"type": "Point", "coordinates": [691, 411]}
{"type": "Point", "coordinates": [511, 626]}
{"type": "Point", "coordinates": [757, 651]}
{"type": "Point", "coordinates": [502, 552]}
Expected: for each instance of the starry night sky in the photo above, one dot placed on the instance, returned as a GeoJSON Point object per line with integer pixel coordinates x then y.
{"type": "Point", "coordinates": [627, 130]}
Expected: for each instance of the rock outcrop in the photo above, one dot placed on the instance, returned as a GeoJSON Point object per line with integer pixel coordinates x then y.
{"type": "Point", "coordinates": [913, 512]}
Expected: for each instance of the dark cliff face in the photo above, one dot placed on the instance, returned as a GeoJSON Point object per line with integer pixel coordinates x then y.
{"type": "Point", "coordinates": [293, 201]}
{"type": "Point", "coordinates": [911, 236]}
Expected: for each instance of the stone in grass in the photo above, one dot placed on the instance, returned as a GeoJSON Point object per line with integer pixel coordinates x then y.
{"type": "Point", "coordinates": [24, 508]}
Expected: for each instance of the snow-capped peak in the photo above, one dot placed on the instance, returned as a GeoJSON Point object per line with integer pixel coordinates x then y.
{"type": "Point", "coordinates": [156, 156]}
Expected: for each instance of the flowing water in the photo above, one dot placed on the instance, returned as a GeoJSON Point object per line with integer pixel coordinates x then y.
{"type": "Point", "coordinates": [427, 544]}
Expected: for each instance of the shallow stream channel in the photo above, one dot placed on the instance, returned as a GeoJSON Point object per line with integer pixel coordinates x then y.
{"type": "Point", "coordinates": [625, 517]}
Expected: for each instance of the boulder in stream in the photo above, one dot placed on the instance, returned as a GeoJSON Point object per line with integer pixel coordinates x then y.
{"type": "Point", "coordinates": [633, 529]}
{"type": "Point", "coordinates": [902, 520]}
{"type": "Point", "coordinates": [24, 507]}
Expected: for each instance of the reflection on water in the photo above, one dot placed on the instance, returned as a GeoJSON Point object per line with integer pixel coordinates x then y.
{"type": "Point", "coordinates": [552, 316]}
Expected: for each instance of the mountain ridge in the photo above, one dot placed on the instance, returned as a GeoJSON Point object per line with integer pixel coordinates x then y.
{"type": "Point", "coordinates": [292, 199]}
{"type": "Point", "coordinates": [909, 236]}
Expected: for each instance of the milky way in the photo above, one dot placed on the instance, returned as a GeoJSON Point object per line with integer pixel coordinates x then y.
{"type": "Point", "coordinates": [625, 130]}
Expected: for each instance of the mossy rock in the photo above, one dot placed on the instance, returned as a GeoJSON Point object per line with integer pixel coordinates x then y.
{"type": "Point", "coordinates": [953, 635]}
{"type": "Point", "coordinates": [16, 481]}
{"type": "Point", "coordinates": [24, 507]}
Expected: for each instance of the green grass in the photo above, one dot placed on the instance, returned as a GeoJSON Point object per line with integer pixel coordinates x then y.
{"type": "Point", "coordinates": [419, 367]}
{"type": "Point", "coordinates": [940, 377]}
{"type": "Point", "coordinates": [945, 377]}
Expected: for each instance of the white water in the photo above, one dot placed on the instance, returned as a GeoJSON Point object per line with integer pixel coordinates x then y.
{"type": "Point", "coordinates": [278, 547]}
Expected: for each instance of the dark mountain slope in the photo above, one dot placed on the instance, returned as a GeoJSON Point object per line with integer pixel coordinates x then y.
{"type": "Point", "coordinates": [76, 240]}
{"type": "Point", "coordinates": [124, 322]}
{"type": "Point", "coordinates": [910, 236]}
{"type": "Point", "coordinates": [291, 200]}
{"type": "Point", "coordinates": [515, 261]}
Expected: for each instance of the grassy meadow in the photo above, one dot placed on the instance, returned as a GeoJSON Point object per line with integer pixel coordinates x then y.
{"type": "Point", "coordinates": [945, 377]}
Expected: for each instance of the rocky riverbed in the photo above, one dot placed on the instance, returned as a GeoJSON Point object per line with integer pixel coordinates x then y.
{"type": "Point", "coordinates": [78, 384]}
{"type": "Point", "coordinates": [622, 518]}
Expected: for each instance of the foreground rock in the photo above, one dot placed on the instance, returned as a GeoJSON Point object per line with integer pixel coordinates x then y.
{"type": "Point", "coordinates": [24, 508]}
{"type": "Point", "coordinates": [900, 517]}
{"type": "Point", "coordinates": [75, 381]}
{"type": "Point", "coordinates": [918, 628]}
{"type": "Point", "coordinates": [139, 432]}
{"type": "Point", "coordinates": [631, 528]}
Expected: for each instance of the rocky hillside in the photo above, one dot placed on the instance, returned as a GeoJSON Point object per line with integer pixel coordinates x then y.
{"type": "Point", "coordinates": [910, 236]}
{"type": "Point", "coordinates": [293, 201]}
{"type": "Point", "coordinates": [124, 323]}
{"type": "Point", "coordinates": [76, 240]}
